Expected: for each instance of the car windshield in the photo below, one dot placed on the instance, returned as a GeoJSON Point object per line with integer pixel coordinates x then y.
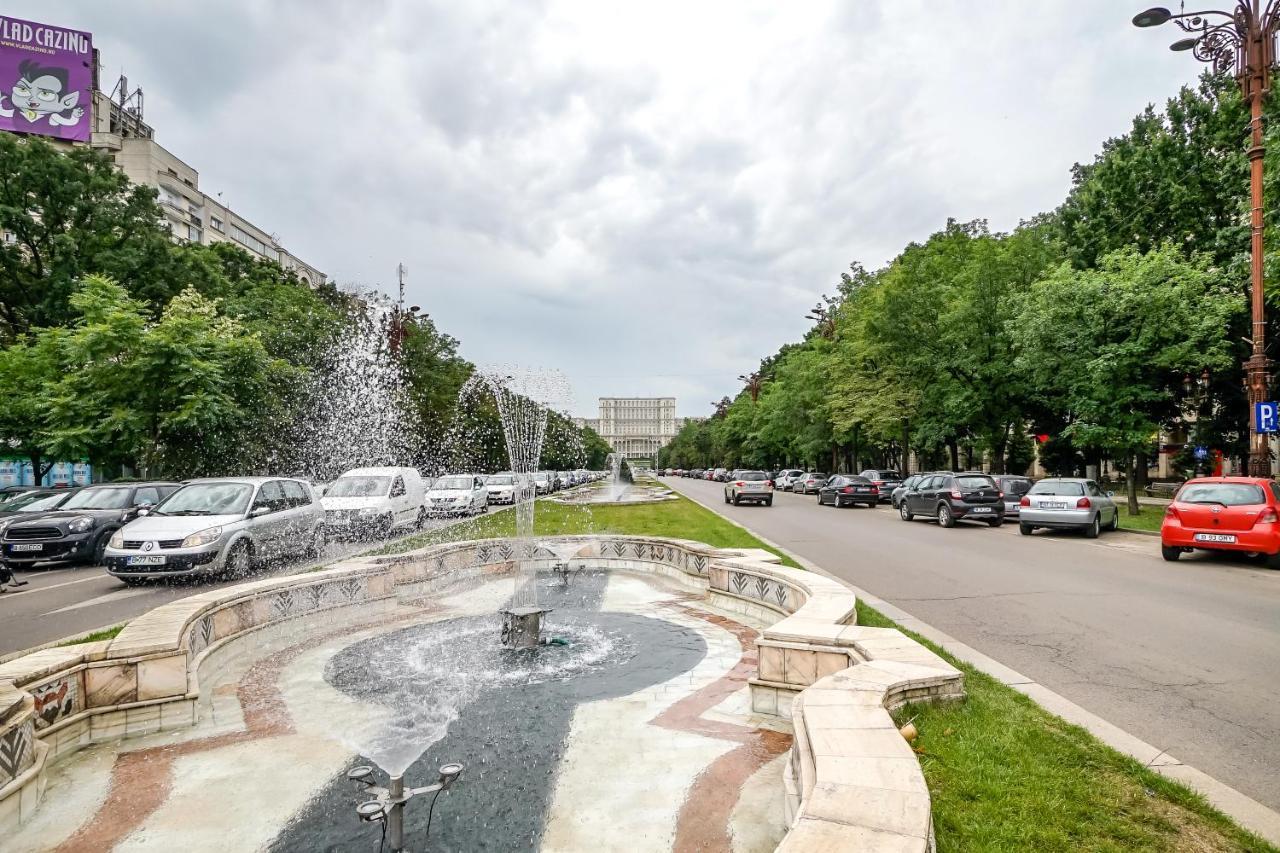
{"type": "Point", "coordinates": [109, 498]}
{"type": "Point", "coordinates": [44, 501]}
{"type": "Point", "coordinates": [752, 476]}
{"type": "Point", "coordinates": [207, 499]}
{"type": "Point", "coordinates": [1014, 486]}
{"type": "Point", "coordinates": [501, 480]}
{"type": "Point", "coordinates": [885, 475]}
{"type": "Point", "coordinates": [453, 484]}
{"type": "Point", "coordinates": [1227, 494]}
{"type": "Point", "coordinates": [17, 502]}
{"type": "Point", "coordinates": [541, 478]}
{"type": "Point", "coordinates": [358, 487]}
{"type": "Point", "coordinates": [1056, 487]}
{"type": "Point", "coordinates": [974, 482]}
{"type": "Point", "coordinates": [817, 476]}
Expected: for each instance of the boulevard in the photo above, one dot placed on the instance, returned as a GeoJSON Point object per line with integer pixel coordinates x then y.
{"type": "Point", "coordinates": [1182, 655]}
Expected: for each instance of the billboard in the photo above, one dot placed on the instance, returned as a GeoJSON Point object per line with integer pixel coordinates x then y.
{"type": "Point", "coordinates": [46, 80]}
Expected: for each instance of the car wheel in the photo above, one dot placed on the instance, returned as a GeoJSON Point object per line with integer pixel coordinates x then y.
{"type": "Point", "coordinates": [945, 518]}
{"type": "Point", "coordinates": [1115, 520]}
{"type": "Point", "coordinates": [422, 518]}
{"type": "Point", "coordinates": [726, 497]}
{"type": "Point", "coordinates": [904, 512]}
{"type": "Point", "coordinates": [1025, 529]}
{"type": "Point", "coordinates": [996, 522]}
{"type": "Point", "coordinates": [239, 560]}
{"type": "Point", "coordinates": [736, 501]}
{"type": "Point", "coordinates": [1172, 554]}
{"type": "Point", "coordinates": [100, 547]}
{"type": "Point", "coordinates": [318, 543]}
{"type": "Point", "coordinates": [1095, 527]}
{"type": "Point", "coordinates": [768, 501]}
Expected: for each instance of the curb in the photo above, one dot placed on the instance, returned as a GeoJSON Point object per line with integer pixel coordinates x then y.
{"type": "Point", "coordinates": [1246, 811]}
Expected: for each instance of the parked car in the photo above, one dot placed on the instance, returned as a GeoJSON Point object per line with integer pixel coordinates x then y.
{"type": "Point", "coordinates": [749, 487]}
{"type": "Point", "coordinates": [952, 497]}
{"type": "Point", "coordinates": [458, 494]}
{"type": "Point", "coordinates": [1240, 514]}
{"type": "Point", "coordinates": [542, 483]}
{"type": "Point", "coordinates": [502, 488]}
{"type": "Point", "coordinates": [78, 530]}
{"type": "Point", "coordinates": [1067, 503]}
{"type": "Point", "coordinates": [808, 483]}
{"type": "Point", "coordinates": [786, 478]}
{"type": "Point", "coordinates": [848, 490]}
{"type": "Point", "coordinates": [22, 505]}
{"type": "Point", "coordinates": [905, 486]}
{"type": "Point", "coordinates": [720, 475]}
{"type": "Point", "coordinates": [219, 526]}
{"type": "Point", "coordinates": [884, 479]}
{"type": "Point", "coordinates": [1014, 488]}
{"type": "Point", "coordinates": [7, 492]}
{"type": "Point", "coordinates": [374, 501]}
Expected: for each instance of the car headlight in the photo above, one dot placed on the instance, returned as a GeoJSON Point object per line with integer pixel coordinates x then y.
{"type": "Point", "coordinates": [117, 540]}
{"type": "Point", "coordinates": [80, 524]}
{"type": "Point", "coordinates": [202, 537]}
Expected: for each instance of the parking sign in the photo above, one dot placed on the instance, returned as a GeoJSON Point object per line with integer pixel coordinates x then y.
{"type": "Point", "coordinates": [1265, 416]}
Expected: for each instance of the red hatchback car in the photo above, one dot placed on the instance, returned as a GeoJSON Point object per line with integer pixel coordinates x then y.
{"type": "Point", "coordinates": [1239, 514]}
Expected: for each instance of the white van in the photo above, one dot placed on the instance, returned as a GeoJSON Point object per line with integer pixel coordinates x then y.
{"type": "Point", "coordinates": [374, 501]}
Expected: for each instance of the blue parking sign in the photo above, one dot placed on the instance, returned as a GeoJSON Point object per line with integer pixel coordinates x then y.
{"type": "Point", "coordinates": [1265, 417]}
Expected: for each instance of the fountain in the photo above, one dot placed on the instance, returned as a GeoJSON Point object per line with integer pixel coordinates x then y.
{"type": "Point", "coordinates": [523, 398]}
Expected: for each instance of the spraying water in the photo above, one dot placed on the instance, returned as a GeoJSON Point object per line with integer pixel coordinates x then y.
{"type": "Point", "coordinates": [523, 398]}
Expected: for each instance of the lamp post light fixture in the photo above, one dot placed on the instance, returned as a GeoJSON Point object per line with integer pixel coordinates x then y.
{"type": "Point", "coordinates": [1242, 41]}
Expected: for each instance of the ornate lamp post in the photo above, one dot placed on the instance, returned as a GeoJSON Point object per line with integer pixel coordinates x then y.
{"type": "Point", "coordinates": [1243, 40]}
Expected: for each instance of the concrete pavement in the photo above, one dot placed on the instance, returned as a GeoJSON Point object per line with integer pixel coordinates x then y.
{"type": "Point", "coordinates": [1182, 655]}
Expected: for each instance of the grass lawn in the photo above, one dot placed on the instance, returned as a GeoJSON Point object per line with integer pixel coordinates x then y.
{"type": "Point", "coordinates": [1148, 519]}
{"type": "Point", "coordinates": [679, 519]}
{"type": "Point", "coordinates": [96, 636]}
{"type": "Point", "coordinates": [1004, 774]}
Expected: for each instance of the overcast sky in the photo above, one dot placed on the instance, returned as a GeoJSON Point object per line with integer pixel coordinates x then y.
{"type": "Point", "coordinates": [645, 196]}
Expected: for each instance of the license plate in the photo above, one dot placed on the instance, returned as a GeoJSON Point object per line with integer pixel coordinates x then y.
{"type": "Point", "coordinates": [861, 491]}
{"type": "Point", "coordinates": [753, 487]}
{"type": "Point", "coordinates": [1215, 537]}
{"type": "Point", "coordinates": [980, 509]}
{"type": "Point", "coordinates": [36, 547]}
{"type": "Point", "coordinates": [146, 561]}
{"type": "Point", "coordinates": [1052, 505]}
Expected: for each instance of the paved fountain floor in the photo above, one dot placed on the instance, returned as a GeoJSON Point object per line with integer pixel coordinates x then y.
{"type": "Point", "coordinates": [648, 743]}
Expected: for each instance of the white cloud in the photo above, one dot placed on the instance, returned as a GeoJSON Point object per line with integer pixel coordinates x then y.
{"type": "Point", "coordinates": [647, 197]}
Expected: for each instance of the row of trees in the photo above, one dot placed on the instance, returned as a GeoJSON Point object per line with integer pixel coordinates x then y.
{"type": "Point", "coordinates": [1118, 316]}
{"type": "Point", "coordinates": [122, 347]}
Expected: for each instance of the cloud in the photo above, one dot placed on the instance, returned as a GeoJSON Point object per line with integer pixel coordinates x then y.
{"type": "Point", "coordinates": [647, 197]}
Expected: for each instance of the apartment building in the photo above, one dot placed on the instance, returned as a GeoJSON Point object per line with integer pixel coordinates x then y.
{"type": "Point", "coordinates": [192, 214]}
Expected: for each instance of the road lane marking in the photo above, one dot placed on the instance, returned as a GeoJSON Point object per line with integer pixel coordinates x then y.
{"type": "Point", "coordinates": [106, 598]}
{"type": "Point", "coordinates": [8, 596]}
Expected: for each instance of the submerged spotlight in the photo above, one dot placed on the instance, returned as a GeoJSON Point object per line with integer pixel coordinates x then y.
{"type": "Point", "coordinates": [361, 773]}
{"type": "Point", "coordinates": [449, 772]}
{"type": "Point", "coordinates": [370, 811]}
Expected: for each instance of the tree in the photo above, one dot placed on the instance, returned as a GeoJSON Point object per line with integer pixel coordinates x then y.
{"type": "Point", "coordinates": [1112, 345]}
{"type": "Point", "coordinates": [180, 394]}
{"type": "Point", "coordinates": [26, 367]}
{"type": "Point", "coordinates": [71, 214]}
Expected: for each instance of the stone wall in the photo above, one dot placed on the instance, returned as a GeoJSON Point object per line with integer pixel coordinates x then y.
{"type": "Point", "coordinates": [851, 781]}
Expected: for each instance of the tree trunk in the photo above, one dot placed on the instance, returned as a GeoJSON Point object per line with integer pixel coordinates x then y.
{"type": "Point", "coordinates": [36, 457]}
{"type": "Point", "coordinates": [1140, 476]}
{"type": "Point", "coordinates": [857, 433]}
{"type": "Point", "coordinates": [906, 447]}
{"type": "Point", "coordinates": [997, 452]}
{"type": "Point", "coordinates": [1131, 484]}
{"type": "Point", "coordinates": [954, 449]}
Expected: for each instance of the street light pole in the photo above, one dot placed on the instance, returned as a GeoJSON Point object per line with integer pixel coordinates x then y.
{"type": "Point", "coordinates": [1243, 41]}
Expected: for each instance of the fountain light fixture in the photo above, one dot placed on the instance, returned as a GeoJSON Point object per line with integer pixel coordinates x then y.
{"type": "Point", "coordinates": [389, 802]}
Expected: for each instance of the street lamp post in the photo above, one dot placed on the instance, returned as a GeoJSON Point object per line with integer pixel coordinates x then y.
{"type": "Point", "coordinates": [1243, 41]}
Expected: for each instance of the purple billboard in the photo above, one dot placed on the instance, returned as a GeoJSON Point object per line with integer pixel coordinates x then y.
{"type": "Point", "coordinates": [46, 80]}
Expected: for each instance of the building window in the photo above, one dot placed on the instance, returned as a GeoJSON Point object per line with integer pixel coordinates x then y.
{"type": "Point", "coordinates": [215, 223]}
{"type": "Point", "coordinates": [193, 234]}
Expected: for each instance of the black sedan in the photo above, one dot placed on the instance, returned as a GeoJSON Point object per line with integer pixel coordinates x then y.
{"type": "Point", "coordinates": [848, 490]}
{"type": "Point", "coordinates": [78, 530]}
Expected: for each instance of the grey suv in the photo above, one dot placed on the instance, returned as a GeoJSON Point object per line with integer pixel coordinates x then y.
{"type": "Point", "coordinates": [224, 525]}
{"type": "Point", "coordinates": [950, 497]}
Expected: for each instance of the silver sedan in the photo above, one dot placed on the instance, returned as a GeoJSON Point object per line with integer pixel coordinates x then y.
{"type": "Point", "coordinates": [1068, 503]}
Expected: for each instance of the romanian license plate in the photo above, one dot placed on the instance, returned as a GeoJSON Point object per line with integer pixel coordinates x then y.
{"type": "Point", "coordinates": [146, 561]}
{"type": "Point", "coordinates": [35, 547]}
{"type": "Point", "coordinates": [980, 509]}
{"type": "Point", "coordinates": [1052, 505]}
{"type": "Point", "coordinates": [861, 491]}
{"type": "Point", "coordinates": [754, 487]}
{"type": "Point", "coordinates": [1215, 537]}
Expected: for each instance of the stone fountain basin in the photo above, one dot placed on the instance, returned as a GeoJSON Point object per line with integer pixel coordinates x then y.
{"type": "Point", "coordinates": [847, 777]}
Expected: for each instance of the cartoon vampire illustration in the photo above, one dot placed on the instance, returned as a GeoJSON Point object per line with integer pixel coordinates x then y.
{"type": "Point", "coordinates": [41, 91]}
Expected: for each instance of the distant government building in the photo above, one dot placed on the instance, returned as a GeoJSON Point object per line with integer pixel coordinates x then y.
{"type": "Point", "coordinates": [636, 427]}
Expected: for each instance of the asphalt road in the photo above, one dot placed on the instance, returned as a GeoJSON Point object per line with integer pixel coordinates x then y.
{"type": "Point", "coordinates": [1182, 655]}
{"type": "Point", "coordinates": [61, 601]}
